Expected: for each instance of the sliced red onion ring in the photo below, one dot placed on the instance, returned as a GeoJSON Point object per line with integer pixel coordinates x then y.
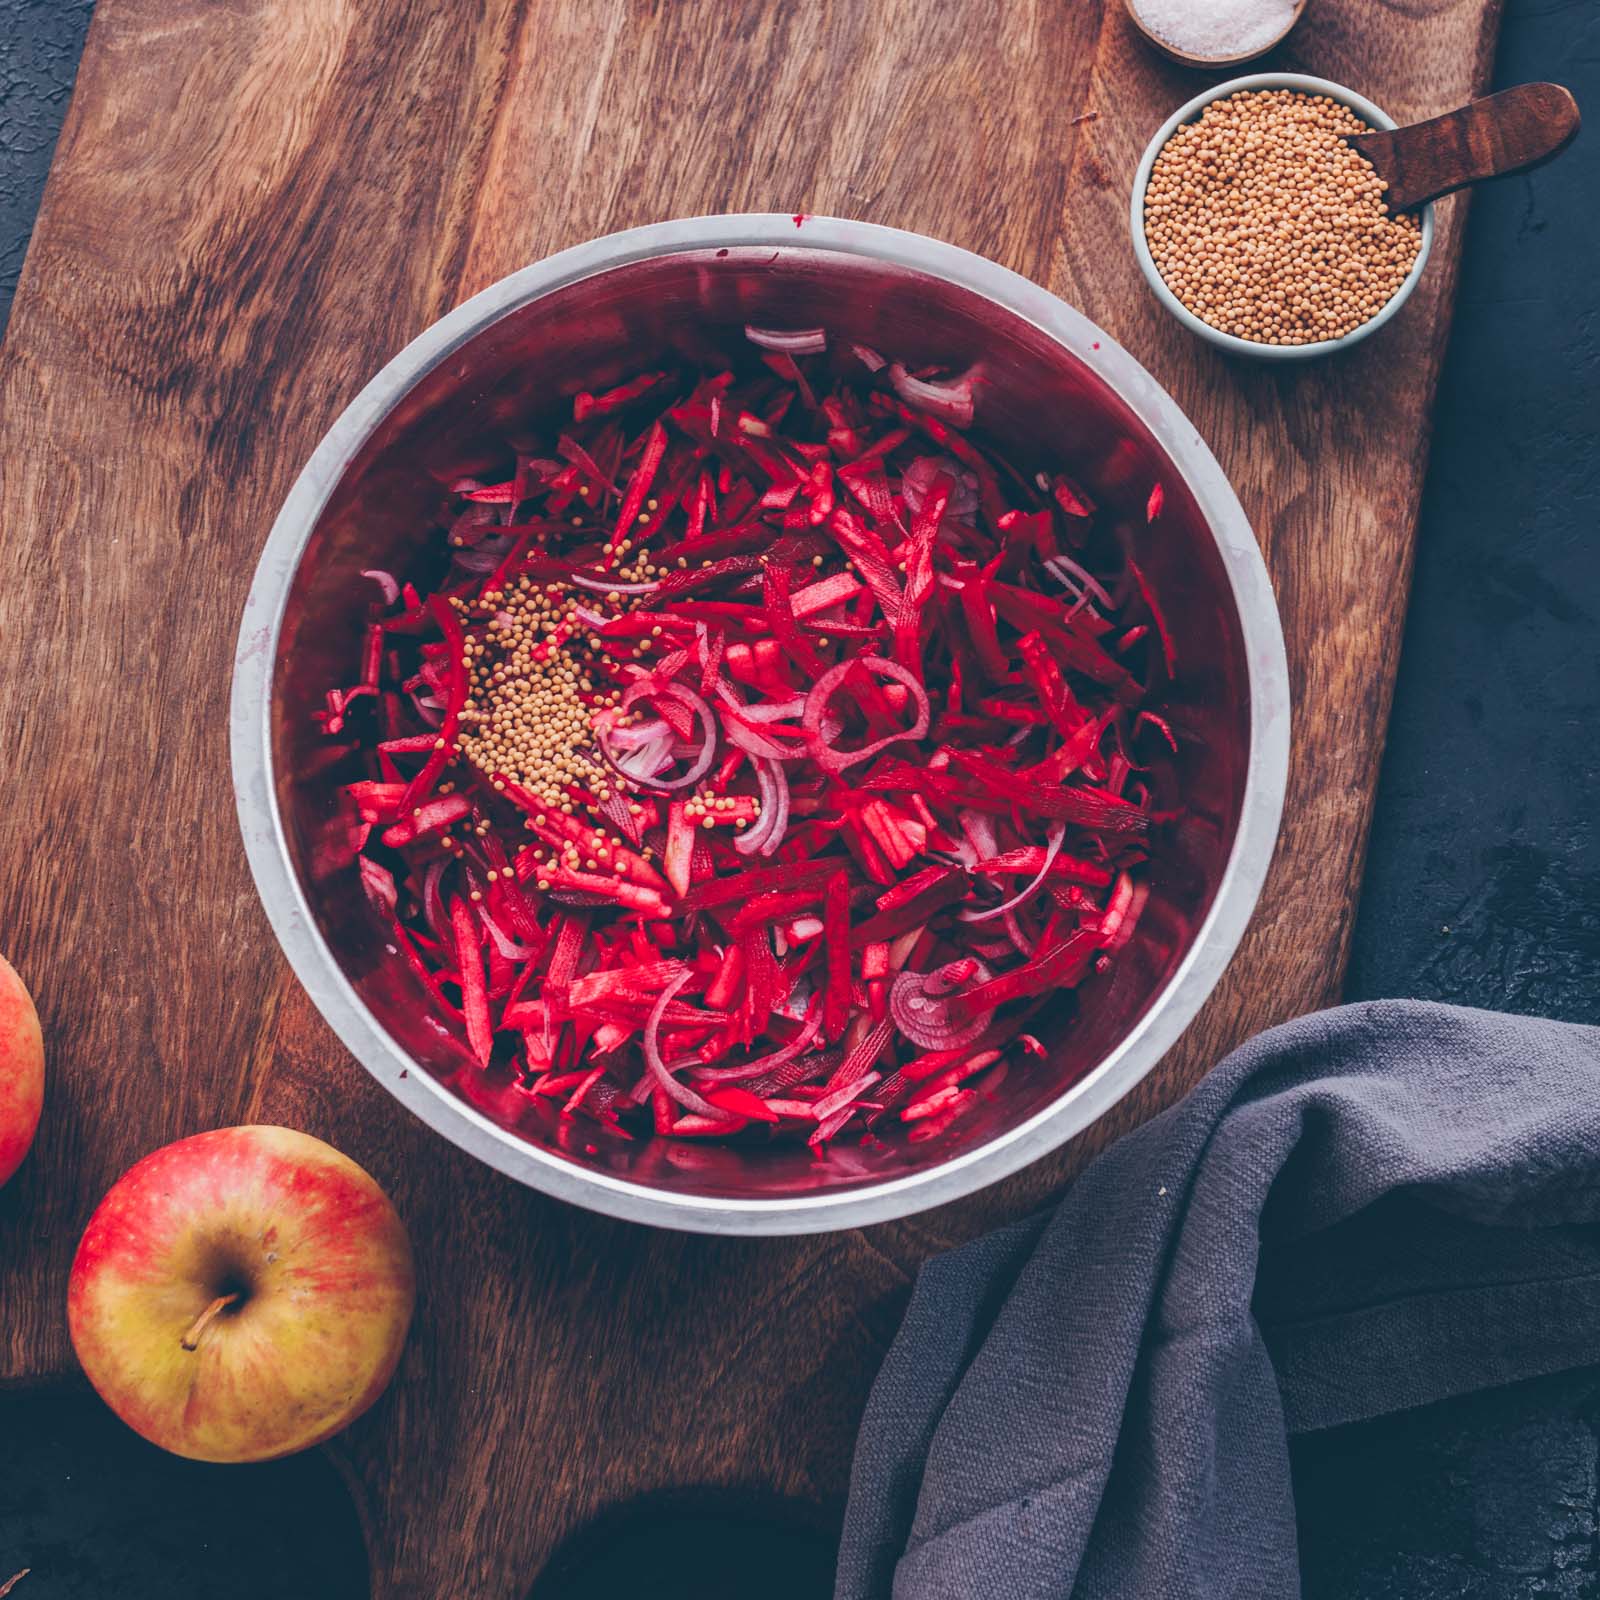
{"type": "Point", "coordinates": [780, 1057]}
{"type": "Point", "coordinates": [1058, 832]}
{"type": "Point", "coordinates": [385, 581]}
{"type": "Point", "coordinates": [1020, 942]}
{"type": "Point", "coordinates": [680, 1092]}
{"type": "Point", "coordinates": [951, 399]}
{"type": "Point", "coordinates": [647, 758]}
{"type": "Point", "coordinates": [795, 342]}
{"type": "Point", "coordinates": [605, 733]}
{"type": "Point", "coordinates": [597, 585]}
{"type": "Point", "coordinates": [642, 733]}
{"type": "Point", "coordinates": [428, 710]}
{"type": "Point", "coordinates": [1064, 567]}
{"type": "Point", "coordinates": [769, 710]}
{"type": "Point", "coordinates": [755, 744]}
{"type": "Point", "coordinates": [832, 760]}
{"type": "Point", "coordinates": [433, 901]}
{"type": "Point", "coordinates": [378, 881]}
{"type": "Point", "coordinates": [868, 357]}
{"type": "Point", "coordinates": [916, 479]}
{"type": "Point", "coordinates": [504, 943]}
{"type": "Point", "coordinates": [978, 827]}
{"type": "Point", "coordinates": [589, 617]}
{"type": "Point", "coordinates": [780, 822]}
{"type": "Point", "coordinates": [769, 831]}
{"type": "Point", "coordinates": [752, 839]}
{"type": "Point", "coordinates": [919, 1002]}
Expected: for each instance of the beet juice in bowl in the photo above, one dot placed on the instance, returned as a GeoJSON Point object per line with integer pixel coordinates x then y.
{"type": "Point", "coordinates": [760, 728]}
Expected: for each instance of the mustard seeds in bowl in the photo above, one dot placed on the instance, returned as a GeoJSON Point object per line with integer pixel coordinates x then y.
{"type": "Point", "coordinates": [1261, 228]}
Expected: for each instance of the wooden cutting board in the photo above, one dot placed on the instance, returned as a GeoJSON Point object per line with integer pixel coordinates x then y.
{"type": "Point", "coordinates": [254, 203]}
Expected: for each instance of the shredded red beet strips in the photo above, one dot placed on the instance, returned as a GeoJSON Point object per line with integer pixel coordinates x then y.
{"type": "Point", "coordinates": [769, 754]}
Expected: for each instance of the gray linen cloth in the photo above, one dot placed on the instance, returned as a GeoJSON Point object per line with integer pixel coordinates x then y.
{"type": "Point", "coordinates": [1364, 1210]}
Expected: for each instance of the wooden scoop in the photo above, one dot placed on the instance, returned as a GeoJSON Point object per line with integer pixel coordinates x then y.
{"type": "Point", "coordinates": [1505, 132]}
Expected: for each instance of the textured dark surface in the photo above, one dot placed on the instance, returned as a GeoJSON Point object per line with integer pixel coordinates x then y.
{"type": "Point", "coordinates": [1483, 887]}
{"type": "Point", "coordinates": [1483, 880]}
{"type": "Point", "coordinates": [1483, 883]}
{"type": "Point", "coordinates": [1491, 1497]}
{"type": "Point", "coordinates": [39, 45]}
{"type": "Point", "coordinates": [96, 1512]}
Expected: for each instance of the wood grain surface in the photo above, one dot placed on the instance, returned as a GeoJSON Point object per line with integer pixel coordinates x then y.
{"type": "Point", "coordinates": [254, 203]}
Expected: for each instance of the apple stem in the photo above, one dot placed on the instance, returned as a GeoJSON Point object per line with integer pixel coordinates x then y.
{"type": "Point", "coordinates": [191, 1340]}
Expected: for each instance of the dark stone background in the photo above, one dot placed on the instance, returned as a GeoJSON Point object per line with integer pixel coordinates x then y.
{"type": "Point", "coordinates": [1483, 888]}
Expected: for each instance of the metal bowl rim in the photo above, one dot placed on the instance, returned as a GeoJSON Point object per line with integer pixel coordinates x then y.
{"type": "Point", "coordinates": [1171, 1008]}
{"type": "Point", "coordinates": [1251, 348]}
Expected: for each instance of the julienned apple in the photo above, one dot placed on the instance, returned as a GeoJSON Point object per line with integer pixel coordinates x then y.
{"type": "Point", "coordinates": [21, 1070]}
{"type": "Point", "coordinates": [241, 1294]}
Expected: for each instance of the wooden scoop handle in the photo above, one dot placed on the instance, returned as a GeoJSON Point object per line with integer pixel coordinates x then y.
{"type": "Point", "coordinates": [1487, 138]}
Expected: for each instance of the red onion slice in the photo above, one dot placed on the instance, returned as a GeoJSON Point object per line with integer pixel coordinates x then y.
{"type": "Point", "coordinates": [790, 342]}
{"type": "Point", "coordinates": [597, 585]}
{"type": "Point", "coordinates": [433, 901]}
{"type": "Point", "coordinates": [756, 744]}
{"type": "Point", "coordinates": [915, 481]}
{"type": "Point", "coordinates": [685, 1096]}
{"type": "Point", "coordinates": [605, 732]}
{"type": "Point", "coordinates": [1058, 832]}
{"type": "Point", "coordinates": [1020, 942]}
{"type": "Point", "coordinates": [868, 357]}
{"type": "Point", "coordinates": [951, 400]}
{"type": "Point", "coordinates": [646, 759]}
{"type": "Point", "coordinates": [1064, 567]}
{"type": "Point", "coordinates": [919, 1002]}
{"type": "Point", "coordinates": [832, 760]}
{"type": "Point", "coordinates": [769, 711]}
{"type": "Point", "coordinates": [504, 943]}
{"type": "Point", "coordinates": [385, 581]}
{"type": "Point", "coordinates": [769, 831]}
{"type": "Point", "coordinates": [378, 881]}
{"type": "Point", "coordinates": [746, 738]}
{"type": "Point", "coordinates": [780, 1057]}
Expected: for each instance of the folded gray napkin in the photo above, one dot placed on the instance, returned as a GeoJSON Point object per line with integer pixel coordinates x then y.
{"type": "Point", "coordinates": [1364, 1210]}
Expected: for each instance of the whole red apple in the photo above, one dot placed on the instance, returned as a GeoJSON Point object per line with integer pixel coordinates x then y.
{"type": "Point", "coordinates": [241, 1294]}
{"type": "Point", "coordinates": [21, 1070]}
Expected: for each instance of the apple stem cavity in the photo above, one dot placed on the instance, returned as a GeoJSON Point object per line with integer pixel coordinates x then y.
{"type": "Point", "coordinates": [191, 1340]}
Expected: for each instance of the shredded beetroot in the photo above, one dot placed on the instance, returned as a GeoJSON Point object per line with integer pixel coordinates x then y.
{"type": "Point", "coordinates": [767, 757]}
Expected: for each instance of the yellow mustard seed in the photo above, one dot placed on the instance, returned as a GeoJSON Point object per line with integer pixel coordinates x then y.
{"type": "Point", "coordinates": [1268, 226]}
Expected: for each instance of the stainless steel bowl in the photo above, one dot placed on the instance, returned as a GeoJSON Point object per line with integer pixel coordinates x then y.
{"type": "Point", "coordinates": [1054, 386]}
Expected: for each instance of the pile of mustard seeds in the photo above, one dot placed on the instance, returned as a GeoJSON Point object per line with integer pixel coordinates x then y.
{"type": "Point", "coordinates": [1268, 226]}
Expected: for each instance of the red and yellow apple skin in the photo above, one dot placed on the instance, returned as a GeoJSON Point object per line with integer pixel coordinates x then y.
{"type": "Point", "coordinates": [21, 1070]}
{"type": "Point", "coordinates": [319, 1261]}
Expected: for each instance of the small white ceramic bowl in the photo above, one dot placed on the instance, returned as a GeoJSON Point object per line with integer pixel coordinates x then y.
{"type": "Point", "coordinates": [1364, 109]}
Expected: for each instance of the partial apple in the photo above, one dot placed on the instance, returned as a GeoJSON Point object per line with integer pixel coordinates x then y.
{"type": "Point", "coordinates": [242, 1294]}
{"type": "Point", "coordinates": [21, 1070]}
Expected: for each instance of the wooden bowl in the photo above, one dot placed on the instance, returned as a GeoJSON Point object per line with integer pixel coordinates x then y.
{"type": "Point", "coordinates": [1172, 54]}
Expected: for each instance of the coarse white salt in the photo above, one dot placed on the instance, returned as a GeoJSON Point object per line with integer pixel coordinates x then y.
{"type": "Point", "coordinates": [1217, 30]}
